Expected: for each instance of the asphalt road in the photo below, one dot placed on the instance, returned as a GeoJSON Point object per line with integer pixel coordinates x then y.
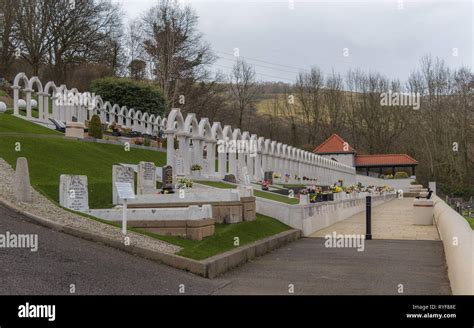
{"type": "Point", "coordinates": [303, 267]}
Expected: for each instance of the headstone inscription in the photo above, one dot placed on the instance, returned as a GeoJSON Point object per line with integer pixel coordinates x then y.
{"type": "Point", "coordinates": [73, 192]}
{"type": "Point", "coordinates": [167, 175]}
{"type": "Point", "coordinates": [179, 164]}
{"type": "Point", "coordinates": [268, 176]}
{"type": "Point", "coordinates": [146, 183]}
{"type": "Point", "coordinates": [121, 174]}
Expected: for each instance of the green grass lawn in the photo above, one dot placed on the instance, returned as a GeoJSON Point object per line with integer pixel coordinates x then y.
{"type": "Point", "coordinates": [48, 158]}
{"type": "Point", "coordinates": [276, 197]}
{"type": "Point", "coordinates": [468, 219]}
{"type": "Point", "coordinates": [224, 236]}
{"type": "Point", "coordinates": [471, 222]}
{"type": "Point", "coordinates": [217, 184]}
{"type": "Point", "coordinates": [257, 193]}
{"type": "Point", "coordinates": [10, 123]}
{"type": "Point", "coordinates": [296, 185]}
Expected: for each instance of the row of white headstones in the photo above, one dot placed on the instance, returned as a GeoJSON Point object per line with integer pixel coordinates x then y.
{"type": "Point", "coordinates": [73, 189]}
{"type": "Point", "coordinates": [198, 141]}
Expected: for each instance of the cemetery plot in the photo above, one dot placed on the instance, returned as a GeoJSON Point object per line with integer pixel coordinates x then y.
{"type": "Point", "coordinates": [50, 157]}
{"type": "Point", "coordinates": [225, 238]}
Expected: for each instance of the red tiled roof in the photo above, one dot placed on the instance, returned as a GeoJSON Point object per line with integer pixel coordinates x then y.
{"type": "Point", "coordinates": [388, 159]}
{"type": "Point", "coordinates": [333, 144]}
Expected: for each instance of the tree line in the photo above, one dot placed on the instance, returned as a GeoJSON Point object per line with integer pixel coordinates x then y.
{"type": "Point", "coordinates": [76, 42]}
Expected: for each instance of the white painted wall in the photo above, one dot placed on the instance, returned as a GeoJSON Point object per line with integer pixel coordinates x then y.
{"type": "Point", "coordinates": [457, 237]}
{"type": "Point", "coordinates": [316, 216]}
{"type": "Point", "coordinates": [156, 214]}
{"type": "Point", "coordinates": [346, 159]}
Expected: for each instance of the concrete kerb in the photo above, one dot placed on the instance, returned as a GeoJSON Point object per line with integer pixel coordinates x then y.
{"type": "Point", "coordinates": [208, 268]}
{"type": "Point", "coordinates": [221, 263]}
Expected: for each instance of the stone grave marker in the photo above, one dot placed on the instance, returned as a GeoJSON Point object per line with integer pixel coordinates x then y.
{"type": "Point", "coordinates": [167, 176]}
{"type": "Point", "coordinates": [268, 176]}
{"type": "Point", "coordinates": [73, 192]}
{"type": "Point", "coordinates": [230, 178]}
{"type": "Point", "coordinates": [146, 183]}
{"type": "Point", "coordinates": [121, 174]}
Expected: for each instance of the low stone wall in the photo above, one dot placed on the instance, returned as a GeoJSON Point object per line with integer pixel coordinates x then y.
{"type": "Point", "coordinates": [222, 211]}
{"type": "Point", "coordinates": [458, 241]}
{"type": "Point", "coordinates": [148, 214]}
{"type": "Point", "coordinates": [189, 196]}
{"type": "Point", "coordinates": [193, 222]}
{"type": "Point", "coordinates": [316, 216]}
{"type": "Point", "coordinates": [189, 229]}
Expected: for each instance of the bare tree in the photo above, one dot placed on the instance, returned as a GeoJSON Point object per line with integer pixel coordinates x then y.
{"type": "Point", "coordinates": [34, 22]}
{"type": "Point", "coordinates": [8, 43]}
{"type": "Point", "coordinates": [136, 52]}
{"type": "Point", "coordinates": [243, 88]}
{"type": "Point", "coordinates": [308, 89]}
{"type": "Point", "coordinates": [334, 98]}
{"type": "Point", "coordinates": [175, 46]}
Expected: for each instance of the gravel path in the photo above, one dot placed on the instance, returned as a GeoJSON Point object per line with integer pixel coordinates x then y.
{"type": "Point", "coordinates": [44, 208]}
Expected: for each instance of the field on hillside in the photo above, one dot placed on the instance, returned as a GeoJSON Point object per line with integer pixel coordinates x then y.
{"type": "Point", "coordinates": [49, 157]}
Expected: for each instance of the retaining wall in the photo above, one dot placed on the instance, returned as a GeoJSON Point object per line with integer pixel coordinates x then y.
{"type": "Point", "coordinates": [316, 216]}
{"type": "Point", "coordinates": [457, 237]}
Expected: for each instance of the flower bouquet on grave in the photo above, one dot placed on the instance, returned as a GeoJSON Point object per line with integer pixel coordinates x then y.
{"type": "Point", "coordinates": [184, 183]}
{"type": "Point", "coordinates": [336, 189]}
{"type": "Point", "coordinates": [276, 176]}
{"type": "Point", "coordinates": [304, 191]}
{"type": "Point", "coordinates": [196, 167]}
{"type": "Point", "coordinates": [265, 185]}
{"type": "Point", "coordinates": [196, 170]}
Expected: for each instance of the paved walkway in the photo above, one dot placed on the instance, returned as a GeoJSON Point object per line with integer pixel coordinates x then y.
{"type": "Point", "coordinates": [385, 267]}
{"type": "Point", "coordinates": [392, 220]}
{"type": "Point", "coordinates": [312, 268]}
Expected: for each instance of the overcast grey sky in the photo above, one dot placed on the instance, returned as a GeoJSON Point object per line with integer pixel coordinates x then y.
{"type": "Point", "coordinates": [282, 37]}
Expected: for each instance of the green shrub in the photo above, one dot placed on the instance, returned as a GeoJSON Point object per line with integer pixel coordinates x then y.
{"type": "Point", "coordinates": [401, 175]}
{"type": "Point", "coordinates": [131, 93]}
{"type": "Point", "coordinates": [147, 141]}
{"type": "Point", "coordinates": [95, 127]}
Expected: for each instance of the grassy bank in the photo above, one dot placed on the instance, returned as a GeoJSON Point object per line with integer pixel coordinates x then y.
{"type": "Point", "coordinates": [48, 158]}
{"type": "Point", "coordinates": [224, 237]}
{"type": "Point", "coordinates": [257, 193]}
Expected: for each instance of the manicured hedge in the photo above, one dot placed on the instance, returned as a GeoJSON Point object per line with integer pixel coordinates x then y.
{"type": "Point", "coordinates": [401, 175]}
{"type": "Point", "coordinates": [95, 127]}
{"type": "Point", "coordinates": [131, 93]}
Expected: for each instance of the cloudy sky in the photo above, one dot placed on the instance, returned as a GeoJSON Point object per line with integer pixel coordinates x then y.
{"type": "Point", "coordinates": [282, 37]}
